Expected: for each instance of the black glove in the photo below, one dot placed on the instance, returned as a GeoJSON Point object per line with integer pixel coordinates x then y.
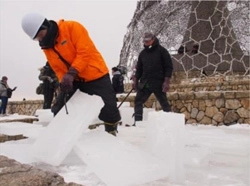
{"type": "Point", "coordinates": [67, 80]}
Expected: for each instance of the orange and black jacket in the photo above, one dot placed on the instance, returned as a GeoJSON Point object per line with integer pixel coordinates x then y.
{"type": "Point", "coordinates": [76, 47]}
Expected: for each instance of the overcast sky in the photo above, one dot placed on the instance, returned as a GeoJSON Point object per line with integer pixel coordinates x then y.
{"type": "Point", "coordinates": [20, 57]}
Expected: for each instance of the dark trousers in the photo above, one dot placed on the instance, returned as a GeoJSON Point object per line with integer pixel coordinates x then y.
{"type": "Point", "coordinates": [4, 102]}
{"type": "Point", "coordinates": [141, 97]}
{"type": "Point", "coordinates": [101, 87]}
{"type": "Point", "coordinates": [48, 98]}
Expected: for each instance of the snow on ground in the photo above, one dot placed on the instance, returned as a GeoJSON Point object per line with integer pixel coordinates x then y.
{"type": "Point", "coordinates": [15, 116]}
{"type": "Point", "coordinates": [195, 155]}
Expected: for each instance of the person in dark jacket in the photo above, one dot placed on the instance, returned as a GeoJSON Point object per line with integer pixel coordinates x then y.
{"type": "Point", "coordinates": [117, 81]}
{"type": "Point", "coordinates": [51, 84]}
{"type": "Point", "coordinates": [153, 72]}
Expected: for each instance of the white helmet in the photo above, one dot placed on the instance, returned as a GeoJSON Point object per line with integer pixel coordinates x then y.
{"type": "Point", "coordinates": [31, 23]}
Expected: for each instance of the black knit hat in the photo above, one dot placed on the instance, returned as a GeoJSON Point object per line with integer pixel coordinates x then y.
{"type": "Point", "coordinates": [115, 69]}
{"type": "Point", "coordinates": [4, 78]}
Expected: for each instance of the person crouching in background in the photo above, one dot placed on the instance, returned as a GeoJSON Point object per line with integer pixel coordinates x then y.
{"type": "Point", "coordinates": [117, 81]}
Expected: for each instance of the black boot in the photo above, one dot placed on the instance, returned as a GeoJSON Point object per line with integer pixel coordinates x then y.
{"type": "Point", "coordinates": [111, 128]}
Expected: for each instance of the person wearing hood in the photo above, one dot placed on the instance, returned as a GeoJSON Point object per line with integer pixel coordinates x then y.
{"type": "Point", "coordinates": [76, 61]}
{"type": "Point", "coordinates": [152, 75]}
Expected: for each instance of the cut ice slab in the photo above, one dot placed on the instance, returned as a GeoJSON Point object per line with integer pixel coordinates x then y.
{"type": "Point", "coordinates": [44, 116]}
{"type": "Point", "coordinates": [62, 133]}
{"type": "Point", "coordinates": [117, 162]}
{"type": "Point", "coordinates": [15, 128]}
{"type": "Point", "coordinates": [18, 151]}
{"type": "Point", "coordinates": [165, 138]}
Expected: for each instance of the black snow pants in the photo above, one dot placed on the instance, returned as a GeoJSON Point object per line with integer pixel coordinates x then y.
{"type": "Point", "coordinates": [141, 97]}
{"type": "Point", "coordinates": [101, 87]}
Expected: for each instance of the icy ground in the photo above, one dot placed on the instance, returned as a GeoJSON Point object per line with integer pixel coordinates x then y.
{"type": "Point", "coordinates": [196, 155]}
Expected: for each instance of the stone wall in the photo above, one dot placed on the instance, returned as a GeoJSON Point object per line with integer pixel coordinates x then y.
{"type": "Point", "coordinates": [215, 83]}
{"type": "Point", "coordinates": [216, 108]}
{"type": "Point", "coordinates": [27, 107]}
{"type": "Point", "coordinates": [214, 100]}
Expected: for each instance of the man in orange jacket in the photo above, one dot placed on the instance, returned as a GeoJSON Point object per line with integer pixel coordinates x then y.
{"type": "Point", "coordinates": [77, 63]}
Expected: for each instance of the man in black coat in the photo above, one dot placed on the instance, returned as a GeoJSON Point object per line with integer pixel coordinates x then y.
{"type": "Point", "coordinates": [153, 72]}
